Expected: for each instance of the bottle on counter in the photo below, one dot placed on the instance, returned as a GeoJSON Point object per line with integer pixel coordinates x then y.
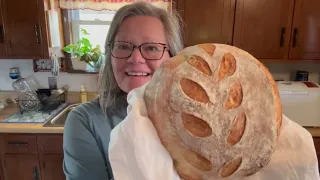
{"type": "Point", "coordinates": [83, 94]}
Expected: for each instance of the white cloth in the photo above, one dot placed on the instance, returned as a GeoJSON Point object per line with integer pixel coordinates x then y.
{"type": "Point", "coordinates": [136, 153]}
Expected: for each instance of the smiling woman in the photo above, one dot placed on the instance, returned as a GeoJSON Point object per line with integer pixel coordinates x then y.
{"type": "Point", "coordinates": [136, 57]}
{"type": "Point", "coordinates": [141, 36]}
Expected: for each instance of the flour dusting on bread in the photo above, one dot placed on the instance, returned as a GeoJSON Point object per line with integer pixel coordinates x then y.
{"type": "Point", "coordinates": [216, 110]}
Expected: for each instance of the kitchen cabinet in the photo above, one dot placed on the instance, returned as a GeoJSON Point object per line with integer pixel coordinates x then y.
{"type": "Point", "coordinates": [51, 167]}
{"type": "Point", "coordinates": [2, 43]}
{"type": "Point", "coordinates": [316, 141]}
{"type": "Point", "coordinates": [51, 156]}
{"type": "Point", "coordinates": [30, 29]}
{"type": "Point", "coordinates": [21, 167]}
{"type": "Point", "coordinates": [263, 27]}
{"type": "Point", "coordinates": [206, 20]}
{"type": "Point", "coordinates": [268, 29]}
{"type": "Point", "coordinates": [305, 43]}
{"type": "Point", "coordinates": [281, 30]}
{"type": "Point", "coordinates": [32, 156]}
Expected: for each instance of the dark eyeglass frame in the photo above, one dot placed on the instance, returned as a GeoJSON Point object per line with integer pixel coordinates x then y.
{"type": "Point", "coordinates": [165, 48]}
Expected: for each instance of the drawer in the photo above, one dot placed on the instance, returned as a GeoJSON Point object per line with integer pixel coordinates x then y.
{"type": "Point", "coordinates": [22, 144]}
{"type": "Point", "coordinates": [50, 144]}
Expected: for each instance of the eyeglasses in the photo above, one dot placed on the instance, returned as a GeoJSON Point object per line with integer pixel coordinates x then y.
{"type": "Point", "coordinates": [149, 51]}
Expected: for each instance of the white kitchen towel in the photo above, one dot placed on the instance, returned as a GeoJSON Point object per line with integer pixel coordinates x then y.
{"type": "Point", "coordinates": [136, 153]}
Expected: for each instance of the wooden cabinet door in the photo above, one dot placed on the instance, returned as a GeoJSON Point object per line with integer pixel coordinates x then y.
{"type": "Point", "coordinates": [21, 167]}
{"type": "Point", "coordinates": [305, 41]}
{"type": "Point", "coordinates": [2, 35]}
{"type": "Point", "coordinates": [22, 28]}
{"type": "Point", "coordinates": [262, 27]}
{"type": "Point", "coordinates": [316, 141]}
{"type": "Point", "coordinates": [206, 21]}
{"type": "Point", "coordinates": [52, 167]}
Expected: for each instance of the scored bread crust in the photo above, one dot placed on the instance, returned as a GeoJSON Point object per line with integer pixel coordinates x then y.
{"type": "Point", "coordinates": [216, 110]}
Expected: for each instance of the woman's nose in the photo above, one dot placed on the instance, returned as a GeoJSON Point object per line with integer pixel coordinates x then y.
{"type": "Point", "coordinates": [136, 57]}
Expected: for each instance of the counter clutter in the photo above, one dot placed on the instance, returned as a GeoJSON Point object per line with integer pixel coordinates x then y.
{"type": "Point", "coordinates": [23, 127]}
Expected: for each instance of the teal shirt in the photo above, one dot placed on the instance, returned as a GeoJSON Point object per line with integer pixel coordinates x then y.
{"type": "Point", "coordinates": [86, 141]}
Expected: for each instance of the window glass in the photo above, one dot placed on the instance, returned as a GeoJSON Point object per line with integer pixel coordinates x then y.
{"type": "Point", "coordinates": [96, 23]}
{"type": "Point", "coordinates": [97, 34]}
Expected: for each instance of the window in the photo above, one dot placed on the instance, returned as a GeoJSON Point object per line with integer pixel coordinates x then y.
{"type": "Point", "coordinates": [96, 23]}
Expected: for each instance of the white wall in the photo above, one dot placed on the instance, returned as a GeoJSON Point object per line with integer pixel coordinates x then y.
{"type": "Point", "coordinates": [288, 70]}
{"type": "Point", "coordinates": [74, 81]}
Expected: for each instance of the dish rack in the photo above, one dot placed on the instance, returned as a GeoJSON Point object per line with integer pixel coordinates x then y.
{"type": "Point", "coordinates": [44, 100]}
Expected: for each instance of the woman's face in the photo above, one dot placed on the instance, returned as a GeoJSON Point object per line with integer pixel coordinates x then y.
{"type": "Point", "coordinates": [134, 71]}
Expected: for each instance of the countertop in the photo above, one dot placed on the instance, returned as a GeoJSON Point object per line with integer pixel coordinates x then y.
{"type": "Point", "coordinates": [23, 127]}
{"type": "Point", "coordinates": [38, 128]}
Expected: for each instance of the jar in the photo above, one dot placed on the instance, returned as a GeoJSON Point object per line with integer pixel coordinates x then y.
{"type": "Point", "coordinates": [21, 85]}
{"type": "Point", "coordinates": [302, 76]}
{"type": "Point", "coordinates": [14, 73]}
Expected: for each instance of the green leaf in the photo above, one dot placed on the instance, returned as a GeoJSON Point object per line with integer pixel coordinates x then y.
{"type": "Point", "coordinates": [70, 48]}
{"type": "Point", "coordinates": [96, 49]}
{"type": "Point", "coordinates": [78, 52]}
{"type": "Point", "coordinates": [84, 32]}
{"type": "Point", "coordinates": [95, 57]}
{"type": "Point", "coordinates": [85, 42]}
{"type": "Point", "coordinates": [84, 58]}
{"type": "Point", "coordinates": [85, 50]}
{"type": "Point", "coordinates": [67, 49]}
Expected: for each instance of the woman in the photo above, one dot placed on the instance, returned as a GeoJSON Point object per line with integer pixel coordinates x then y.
{"type": "Point", "coordinates": [140, 38]}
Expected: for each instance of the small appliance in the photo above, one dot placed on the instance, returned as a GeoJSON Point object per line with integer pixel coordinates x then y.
{"type": "Point", "coordinates": [301, 102]}
{"type": "Point", "coordinates": [302, 76]}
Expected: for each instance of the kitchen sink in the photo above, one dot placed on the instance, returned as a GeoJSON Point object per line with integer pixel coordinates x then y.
{"type": "Point", "coordinates": [60, 119]}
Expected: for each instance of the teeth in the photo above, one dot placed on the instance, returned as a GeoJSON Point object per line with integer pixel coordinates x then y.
{"type": "Point", "coordinates": [137, 74]}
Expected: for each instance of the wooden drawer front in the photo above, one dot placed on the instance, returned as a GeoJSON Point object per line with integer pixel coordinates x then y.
{"type": "Point", "coordinates": [20, 144]}
{"type": "Point", "coordinates": [50, 144]}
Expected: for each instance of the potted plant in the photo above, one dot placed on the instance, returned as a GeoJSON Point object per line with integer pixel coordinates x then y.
{"type": "Point", "coordinates": [84, 51]}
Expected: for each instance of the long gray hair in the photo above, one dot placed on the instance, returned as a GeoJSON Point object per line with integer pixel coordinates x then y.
{"type": "Point", "coordinates": [109, 92]}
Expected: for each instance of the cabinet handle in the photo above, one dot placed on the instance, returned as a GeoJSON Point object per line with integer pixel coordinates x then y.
{"type": "Point", "coordinates": [37, 31]}
{"type": "Point", "coordinates": [17, 143]}
{"type": "Point", "coordinates": [1, 34]}
{"type": "Point", "coordinates": [35, 173]}
{"type": "Point", "coordinates": [295, 34]}
{"type": "Point", "coordinates": [283, 35]}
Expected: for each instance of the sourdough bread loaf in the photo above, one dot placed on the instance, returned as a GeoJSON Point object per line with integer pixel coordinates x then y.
{"type": "Point", "coordinates": [216, 110]}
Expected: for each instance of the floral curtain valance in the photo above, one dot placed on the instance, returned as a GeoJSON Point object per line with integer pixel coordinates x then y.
{"type": "Point", "coordinates": [112, 5]}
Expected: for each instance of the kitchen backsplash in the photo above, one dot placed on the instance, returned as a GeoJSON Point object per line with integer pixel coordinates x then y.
{"type": "Point", "coordinates": [287, 71]}
{"type": "Point", "coordinates": [73, 81]}
{"type": "Point", "coordinates": [279, 70]}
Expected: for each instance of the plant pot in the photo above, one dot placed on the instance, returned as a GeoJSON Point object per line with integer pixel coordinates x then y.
{"type": "Point", "coordinates": [78, 65]}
